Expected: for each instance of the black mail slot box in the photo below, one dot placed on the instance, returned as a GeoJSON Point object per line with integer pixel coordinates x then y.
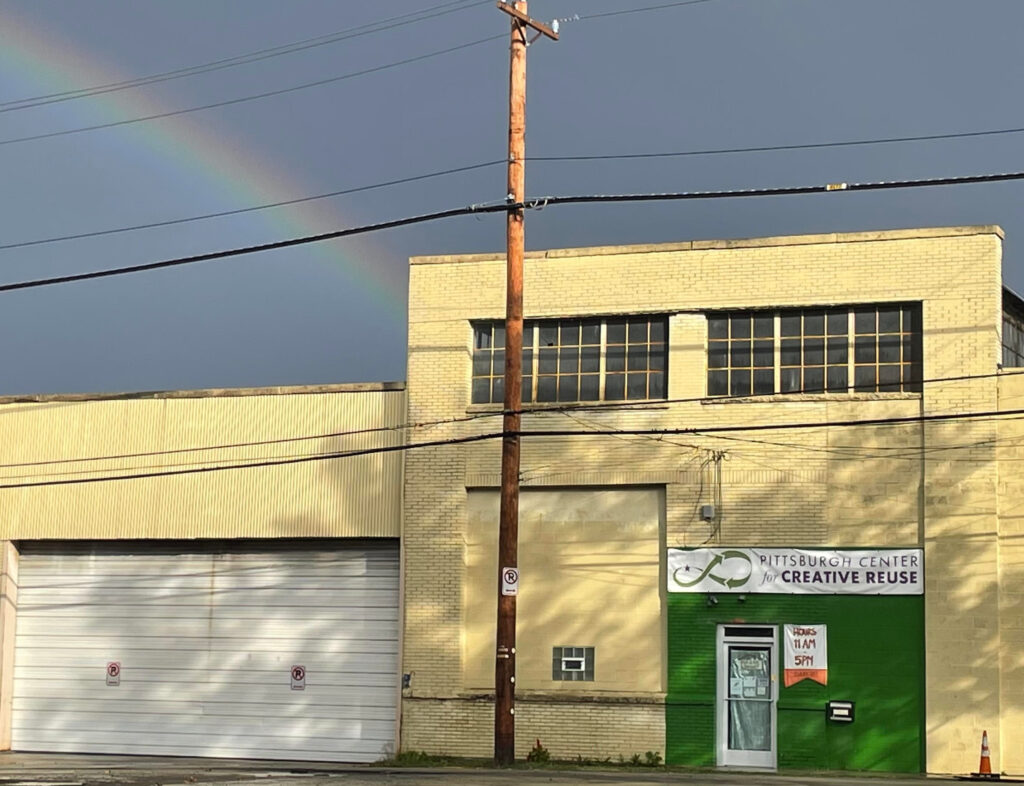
{"type": "Point", "coordinates": [840, 711]}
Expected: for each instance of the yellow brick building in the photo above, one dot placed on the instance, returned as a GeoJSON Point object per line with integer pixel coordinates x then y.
{"type": "Point", "coordinates": [824, 392]}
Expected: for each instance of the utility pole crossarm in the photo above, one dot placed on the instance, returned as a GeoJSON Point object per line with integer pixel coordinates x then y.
{"type": "Point", "coordinates": [515, 13]}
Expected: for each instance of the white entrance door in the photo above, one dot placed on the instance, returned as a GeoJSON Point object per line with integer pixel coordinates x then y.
{"type": "Point", "coordinates": [747, 695]}
{"type": "Point", "coordinates": [264, 650]}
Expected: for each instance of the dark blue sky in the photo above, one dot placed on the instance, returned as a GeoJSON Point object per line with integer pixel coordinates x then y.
{"type": "Point", "coordinates": [722, 73]}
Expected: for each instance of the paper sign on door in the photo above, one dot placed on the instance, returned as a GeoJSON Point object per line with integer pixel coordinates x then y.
{"type": "Point", "coordinates": [806, 654]}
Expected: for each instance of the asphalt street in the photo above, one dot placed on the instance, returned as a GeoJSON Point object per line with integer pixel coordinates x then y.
{"type": "Point", "coordinates": [19, 769]}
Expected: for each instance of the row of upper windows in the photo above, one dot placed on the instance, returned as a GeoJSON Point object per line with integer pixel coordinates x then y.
{"type": "Point", "coordinates": [835, 350]}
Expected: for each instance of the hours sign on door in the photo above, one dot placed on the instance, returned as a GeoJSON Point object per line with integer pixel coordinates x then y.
{"type": "Point", "coordinates": [806, 654]}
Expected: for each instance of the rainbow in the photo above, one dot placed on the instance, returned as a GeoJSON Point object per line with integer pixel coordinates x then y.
{"type": "Point", "coordinates": [41, 60]}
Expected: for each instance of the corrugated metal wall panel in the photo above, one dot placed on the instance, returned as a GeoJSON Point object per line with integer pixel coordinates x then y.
{"type": "Point", "coordinates": [348, 497]}
{"type": "Point", "coordinates": [206, 640]}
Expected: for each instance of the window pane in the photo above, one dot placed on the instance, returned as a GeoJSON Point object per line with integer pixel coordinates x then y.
{"type": "Point", "coordinates": [498, 390]}
{"type": "Point", "coordinates": [481, 364]}
{"type": "Point", "coordinates": [889, 378]}
{"type": "Point", "coordinates": [764, 326]}
{"type": "Point", "coordinates": [718, 327]}
{"type": "Point", "coordinates": [814, 380]}
{"type": "Point", "coordinates": [636, 386]}
{"type": "Point", "coordinates": [569, 360]}
{"type": "Point", "coordinates": [764, 354]}
{"type": "Point", "coordinates": [790, 380]}
{"type": "Point", "coordinates": [499, 335]}
{"type": "Point", "coordinates": [838, 350]}
{"type": "Point", "coordinates": [527, 395]}
{"type": "Point", "coordinates": [740, 326]}
{"type": "Point", "coordinates": [739, 354]}
{"type": "Point", "coordinates": [548, 361]}
{"type": "Point", "coordinates": [527, 361]}
{"type": "Point", "coordinates": [908, 349]}
{"type": "Point", "coordinates": [658, 356]}
{"type": "Point", "coordinates": [616, 331]}
{"type": "Point", "coordinates": [838, 323]}
{"type": "Point", "coordinates": [590, 387]}
{"type": "Point", "coordinates": [740, 383]}
{"type": "Point", "coordinates": [814, 323]}
{"type": "Point", "coordinates": [590, 358]}
{"type": "Point", "coordinates": [591, 333]}
{"type": "Point", "coordinates": [567, 389]}
{"type": "Point", "coordinates": [498, 366]}
{"type": "Point", "coordinates": [764, 381]}
{"type": "Point", "coordinates": [911, 320]}
{"type": "Point", "coordinates": [837, 379]}
{"type": "Point", "coordinates": [718, 354]}
{"type": "Point", "coordinates": [864, 320]}
{"type": "Point", "coordinates": [548, 334]}
{"type": "Point", "coordinates": [482, 336]}
{"type": "Point", "coordinates": [615, 387]}
{"type": "Point", "coordinates": [888, 320]}
{"type": "Point", "coordinates": [657, 330]}
{"type": "Point", "coordinates": [481, 391]}
{"type": "Point", "coordinates": [790, 324]}
{"type": "Point", "coordinates": [889, 349]}
{"type": "Point", "coordinates": [864, 349]}
{"type": "Point", "coordinates": [814, 351]}
{"type": "Point", "coordinates": [636, 359]}
{"type": "Point", "coordinates": [637, 332]}
{"type": "Point", "coordinates": [546, 389]}
{"type": "Point", "coordinates": [657, 384]}
{"type": "Point", "coordinates": [791, 352]}
{"type": "Point", "coordinates": [569, 333]}
{"type": "Point", "coordinates": [718, 383]}
{"type": "Point", "coordinates": [864, 378]}
{"type": "Point", "coordinates": [911, 377]}
{"type": "Point", "coordinates": [616, 359]}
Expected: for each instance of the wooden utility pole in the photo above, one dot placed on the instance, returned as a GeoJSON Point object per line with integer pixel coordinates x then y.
{"type": "Point", "coordinates": [508, 533]}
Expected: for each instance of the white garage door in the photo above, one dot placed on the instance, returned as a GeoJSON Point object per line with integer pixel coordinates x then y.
{"type": "Point", "coordinates": [206, 644]}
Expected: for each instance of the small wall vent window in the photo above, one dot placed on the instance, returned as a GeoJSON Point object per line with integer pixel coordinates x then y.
{"type": "Point", "coordinates": [874, 349]}
{"type": "Point", "coordinates": [572, 664]}
{"type": "Point", "coordinates": [573, 360]}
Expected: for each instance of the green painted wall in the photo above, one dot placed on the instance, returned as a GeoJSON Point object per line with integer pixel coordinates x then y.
{"type": "Point", "coordinates": [875, 658]}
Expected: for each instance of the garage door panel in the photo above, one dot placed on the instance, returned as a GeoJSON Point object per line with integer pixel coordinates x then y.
{"type": "Point", "coordinates": [214, 709]}
{"type": "Point", "coordinates": [36, 646]}
{"type": "Point", "coordinates": [85, 665]}
{"type": "Point", "coordinates": [206, 644]}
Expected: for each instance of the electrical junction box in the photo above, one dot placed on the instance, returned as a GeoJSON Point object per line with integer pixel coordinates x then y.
{"type": "Point", "coordinates": [707, 512]}
{"type": "Point", "coordinates": [840, 711]}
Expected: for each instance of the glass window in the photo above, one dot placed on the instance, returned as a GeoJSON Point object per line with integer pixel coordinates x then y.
{"type": "Point", "coordinates": [569, 360]}
{"type": "Point", "coordinates": [818, 350]}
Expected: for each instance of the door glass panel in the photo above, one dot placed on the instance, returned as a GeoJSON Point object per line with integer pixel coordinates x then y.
{"type": "Point", "coordinates": [750, 699]}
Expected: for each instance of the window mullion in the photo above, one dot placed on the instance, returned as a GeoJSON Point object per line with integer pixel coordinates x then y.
{"type": "Point", "coordinates": [777, 345]}
{"type": "Point", "coordinates": [601, 361]}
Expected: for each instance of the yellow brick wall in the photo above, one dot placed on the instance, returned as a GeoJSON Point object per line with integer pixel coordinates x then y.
{"type": "Point", "coordinates": [913, 485]}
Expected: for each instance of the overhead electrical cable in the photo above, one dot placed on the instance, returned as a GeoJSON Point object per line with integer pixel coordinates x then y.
{"type": "Point", "coordinates": [503, 207]}
{"type": "Point", "coordinates": [625, 11]}
{"type": "Point", "coordinates": [486, 164]}
{"type": "Point", "coordinates": [243, 59]}
{"type": "Point", "coordinates": [714, 151]}
{"type": "Point", "coordinates": [255, 96]}
{"type": "Point", "coordinates": [240, 211]}
{"type": "Point", "coordinates": [567, 409]}
{"type": "Point", "coordinates": [548, 433]}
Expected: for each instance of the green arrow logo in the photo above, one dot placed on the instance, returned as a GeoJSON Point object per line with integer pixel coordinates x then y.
{"type": "Point", "coordinates": [732, 577]}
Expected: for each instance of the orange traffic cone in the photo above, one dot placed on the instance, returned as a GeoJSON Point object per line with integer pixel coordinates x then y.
{"type": "Point", "coordinates": [985, 765]}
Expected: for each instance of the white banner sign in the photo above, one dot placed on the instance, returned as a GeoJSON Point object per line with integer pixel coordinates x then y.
{"type": "Point", "coordinates": [797, 571]}
{"type": "Point", "coordinates": [806, 654]}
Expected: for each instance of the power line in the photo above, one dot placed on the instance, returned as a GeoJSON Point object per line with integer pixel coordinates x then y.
{"type": "Point", "coordinates": [255, 96]}
{"type": "Point", "coordinates": [641, 10]}
{"type": "Point", "coordinates": [531, 204]}
{"type": "Point", "coordinates": [776, 148]}
{"type": "Point", "coordinates": [243, 59]}
{"type": "Point", "coordinates": [485, 164]}
{"type": "Point", "coordinates": [258, 464]}
{"type": "Point", "coordinates": [240, 211]}
{"type": "Point", "coordinates": [810, 425]}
